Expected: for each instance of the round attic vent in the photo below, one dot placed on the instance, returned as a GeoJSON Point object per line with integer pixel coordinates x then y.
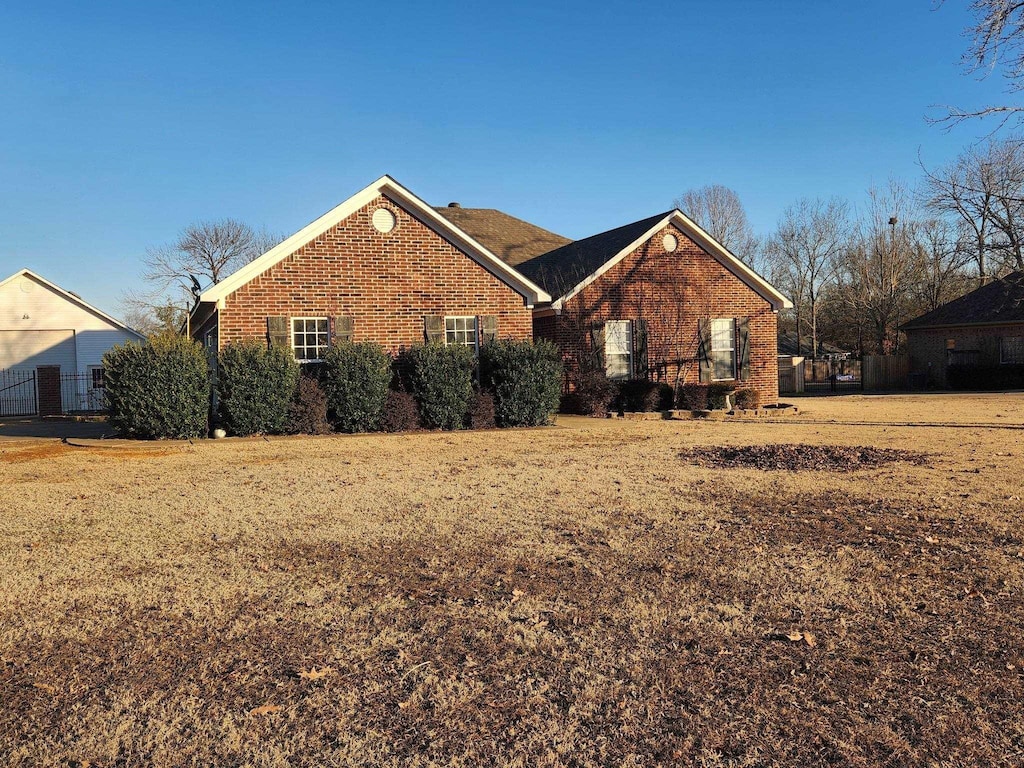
{"type": "Point", "coordinates": [670, 242]}
{"type": "Point", "coordinates": [384, 220]}
{"type": "Point", "coordinates": [27, 285]}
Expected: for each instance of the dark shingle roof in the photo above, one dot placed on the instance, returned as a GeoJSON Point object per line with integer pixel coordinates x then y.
{"type": "Point", "coordinates": [510, 239]}
{"type": "Point", "coordinates": [1001, 301]}
{"type": "Point", "coordinates": [560, 270]}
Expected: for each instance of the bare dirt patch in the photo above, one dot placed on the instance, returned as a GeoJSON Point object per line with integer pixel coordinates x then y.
{"type": "Point", "coordinates": [794, 457]}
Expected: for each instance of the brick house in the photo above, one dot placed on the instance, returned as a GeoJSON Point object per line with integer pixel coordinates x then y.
{"type": "Point", "coordinates": [658, 298]}
{"type": "Point", "coordinates": [983, 329]}
{"type": "Point", "coordinates": [383, 266]}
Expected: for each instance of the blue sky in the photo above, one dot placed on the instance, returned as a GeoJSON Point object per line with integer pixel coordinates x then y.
{"type": "Point", "coordinates": [122, 123]}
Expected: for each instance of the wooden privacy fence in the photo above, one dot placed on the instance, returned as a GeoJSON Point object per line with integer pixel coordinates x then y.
{"type": "Point", "coordinates": [885, 371]}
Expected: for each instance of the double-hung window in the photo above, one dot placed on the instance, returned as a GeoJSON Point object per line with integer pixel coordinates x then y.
{"type": "Point", "coordinates": [723, 349]}
{"type": "Point", "coordinates": [460, 330]}
{"type": "Point", "coordinates": [618, 349]}
{"type": "Point", "coordinates": [1011, 350]}
{"type": "Point", "coordinates": [310, 338]}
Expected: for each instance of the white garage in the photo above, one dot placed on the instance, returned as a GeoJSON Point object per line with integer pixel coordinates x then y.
{"type": "Point", "coordinates": [45, 326]}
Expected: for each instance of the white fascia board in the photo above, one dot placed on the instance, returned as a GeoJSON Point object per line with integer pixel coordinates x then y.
{"type": "Point", "coordinates": [73, 299]}
{"type": "Point", "coordinates": [390, 188]}
{"type": "Point", "coordinates": [715, 249]}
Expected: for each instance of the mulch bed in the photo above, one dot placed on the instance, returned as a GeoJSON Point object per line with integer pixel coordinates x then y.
{"type": "Point", "coordinates": [794, 457]}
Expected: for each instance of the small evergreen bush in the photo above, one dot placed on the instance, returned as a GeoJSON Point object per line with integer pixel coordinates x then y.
{"type": "Point", "coordinates": [255, 387]}
{"type": "Point", "coordinates": [307, 413]}
{"type": "Point", "coordinates": [747, 398]}
{"type": "Point", "coordinates": [594, 393]}
{"type": "Point", "coordinates": [643, 395]}
{"type": "Point", "coordinates": [158, 389]}
{"type": "Point", "coordinates": [693, 397]}
{"type": "Point", "coordinates": [400, 414]}
{"type": "Point", "coordinates": [356, 378]}
{"type": "Point", "coordinates": [716, 395]}
{"type": "Point", "coordinates": [441, 379]}
{"type": "Point", "coordinates": [525, 379]}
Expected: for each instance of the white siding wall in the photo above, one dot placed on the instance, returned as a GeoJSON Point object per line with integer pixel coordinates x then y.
{"type": "Point", "coordinates": [28, 305]}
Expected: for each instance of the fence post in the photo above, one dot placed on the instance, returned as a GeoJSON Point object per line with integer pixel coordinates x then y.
{"type": "Point", "coordinates": [48, 382]}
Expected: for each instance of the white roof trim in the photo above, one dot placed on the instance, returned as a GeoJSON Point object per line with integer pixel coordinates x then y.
{"type": "Point", "coordinates": [72, 298]}
{"type": "Point", "coordinates": [717, 251]}
{"type": "Point", "coordinates": [385, 185]}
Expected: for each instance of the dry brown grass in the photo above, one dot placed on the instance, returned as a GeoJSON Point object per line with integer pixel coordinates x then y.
{"type": "Point", "coordinates": [571, 596]}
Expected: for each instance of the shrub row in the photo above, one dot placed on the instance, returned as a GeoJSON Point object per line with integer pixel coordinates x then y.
{"type": "Point", "coordinates": [162, 388]}
{"type": "Point", "coordinates": [596, 394]}
{"type": "Point", "coordinates": [981, 377]}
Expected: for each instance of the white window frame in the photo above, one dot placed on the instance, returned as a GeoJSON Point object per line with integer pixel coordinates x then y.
{"type": "Point", "coordinates": [1017, 341]}
{"type": "Point", "coordinates": [317, 347]}
{"type": "Point", "coordinates": [731, 349]}
{"type": "Point", "coordinates": [613, 348]}
{"type": "Point", "coordinates": [469, 326]}
{"type": "Point", "coordinates": [92, 377]}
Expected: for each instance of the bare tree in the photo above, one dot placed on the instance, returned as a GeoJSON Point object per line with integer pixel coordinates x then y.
{"type": "Point", "coordinates": [804, 252]}
{"type": "Point", "coordinates": [984, 189]}
{"type": "Point", "coordinates": [997, 44]}
{"type": "Point", "coordinates": [203, 254]}
{"type": "Point", "coordinates": [942, 251]}
{"type": "Point", "coordinates": [879, 269]}
{"type": "Point", "coordinates": [719, 212]}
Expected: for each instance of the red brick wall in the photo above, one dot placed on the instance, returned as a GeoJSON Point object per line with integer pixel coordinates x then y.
{"type": "Point", "coordinates": [673, 292]}
{"type": "Point", "coordinates": [385, 282]}
{"type": "Point", "coordinates": [928, 347]}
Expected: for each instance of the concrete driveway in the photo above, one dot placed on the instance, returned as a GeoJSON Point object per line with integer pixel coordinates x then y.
{"type": "Point", "coordinates": [16, 428]}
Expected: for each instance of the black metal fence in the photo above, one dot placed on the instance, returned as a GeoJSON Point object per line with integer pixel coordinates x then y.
{"type": "Point", "coordinates": [17, 392]}
{"type": "Point", "coordinates": [82, 392]}
{"type": "Point", "coordinates": [832, 375]}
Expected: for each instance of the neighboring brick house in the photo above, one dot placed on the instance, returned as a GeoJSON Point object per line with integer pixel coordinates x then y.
{"type": "Point", "coordinates": [658, 298]}
{"type": "Point", "coordinates": [983, 329]}
{"type": "Point", "coordinates": [383, 266]}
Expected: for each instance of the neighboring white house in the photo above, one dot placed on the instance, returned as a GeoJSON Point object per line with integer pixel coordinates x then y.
{"type": "Point", "coordinates": [41, 324]}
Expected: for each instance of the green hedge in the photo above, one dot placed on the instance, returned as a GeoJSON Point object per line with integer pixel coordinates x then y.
{"type": "Point", "coordinates": [158, 389]}
{"type": "Point", "coordinates": [525, 379]}
{"type": "Point", "coordinates": [255, 386]}
{"type": "Point", "coordinates": [441, 380]}
{"type": "Point", "coordinates": [355, 377]}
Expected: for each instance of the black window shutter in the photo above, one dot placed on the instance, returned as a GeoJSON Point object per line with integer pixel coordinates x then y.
{"type": "Point", "coordinates": [704, 349]}
{"type": "Point", "coordinates": [640, 369]}
{"type": "Point", "coordinates": [342, 329]}
{"type": "Point", "coordinates": [488, 328]}
{"type": "Point", "coordinates": [597, 347]}
{"type": "Point", "coordinates": [433, 329]}
{"type": "Point", "coordinates": [277, 332]}
{"type": "Point", "coordinates": [743, 348]}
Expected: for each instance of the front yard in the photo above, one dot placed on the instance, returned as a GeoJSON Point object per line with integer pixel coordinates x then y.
{"type": "Point", "coordinates": [598, 593]}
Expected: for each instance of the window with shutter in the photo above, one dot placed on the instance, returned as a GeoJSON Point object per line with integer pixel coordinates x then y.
{"type": "Point", "coordinates": [310, 338]}
{"type": "Point", "coordinates": [460, 330]}
{"type": "Point", "coordinates": [723, 349]}
{"type": "Point", "coordinates": [618, 348]}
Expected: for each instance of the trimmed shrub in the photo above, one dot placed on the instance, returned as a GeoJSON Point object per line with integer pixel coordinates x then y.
{"type": "Point", "coordinates": [716, 395]}
{"type": "Point", "coordinates": [400, 414]}
{"type": "Point", "coordinates": [747, 398]}
{"type": "Point", "coordinates": [643, 395]}
{"type": "Point", "coordinates": [481, 411]}
{"type": "Point", "coordinates": [594, 393]}
{"type": "Point", "coordinates": [255, 387]}
{"type": "Point", "coordinates": [356, 378]}
{"type": "Point", "coordinates": [981, 377]}
{"type": "Point", "coordinates": [525, 379]}
{"type": "Point", "coordinates": [307, 413]}
{"type": "Point", "coordinates": [441, 379]}
{"type": "Point", "coordinates": [158, 389]}
{"type": "Point", "coordinates": [694, 397]}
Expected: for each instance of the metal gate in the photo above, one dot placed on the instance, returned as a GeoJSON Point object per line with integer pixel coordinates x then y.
{"type": "Point", "coordinates": [832, 376]}
{"type": "Point", "coordinates": [18, 392]}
